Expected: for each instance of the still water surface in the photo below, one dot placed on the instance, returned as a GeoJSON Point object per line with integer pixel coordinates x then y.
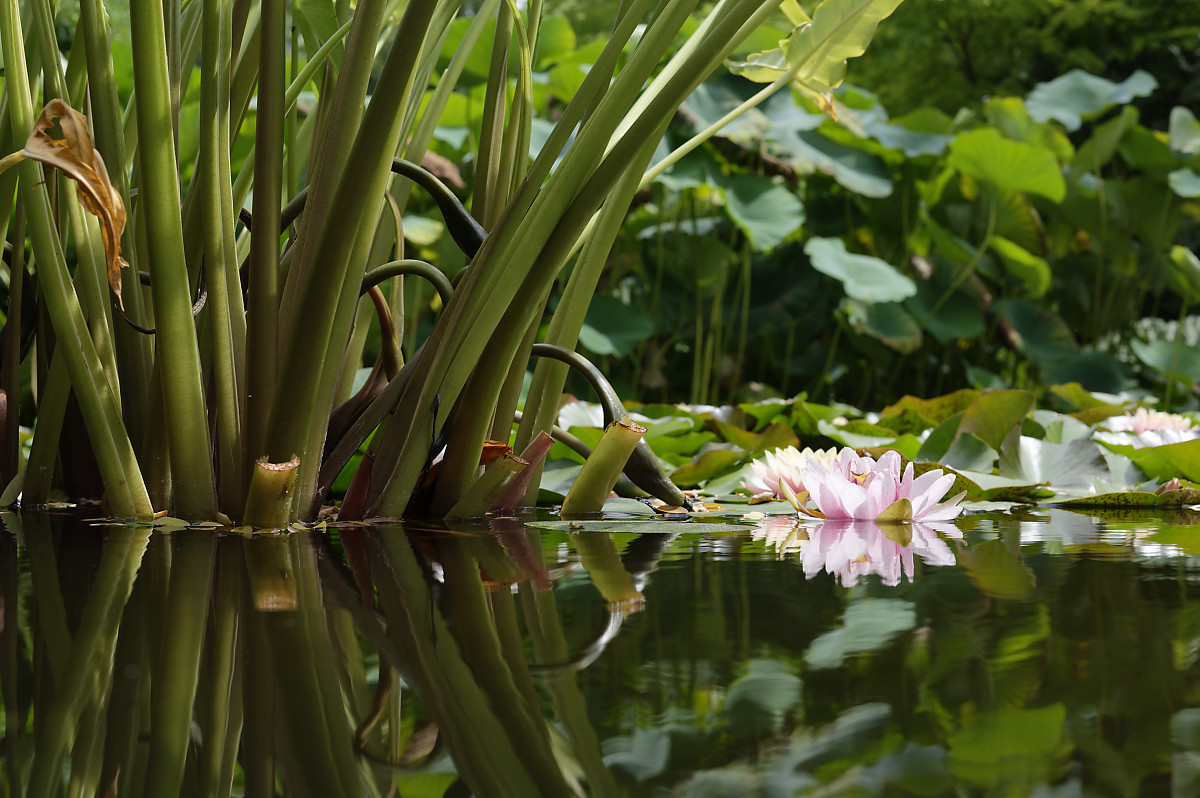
{"type": "Point", "coordinates": [1029, 652]}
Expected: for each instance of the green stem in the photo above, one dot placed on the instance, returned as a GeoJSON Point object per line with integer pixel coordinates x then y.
{"type": "Point", "coordinates": [114, 453]}
{"type": "Point", "coordinates": [178, 352]}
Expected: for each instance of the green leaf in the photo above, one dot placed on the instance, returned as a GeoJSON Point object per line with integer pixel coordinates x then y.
{"type": "Point", "coordinates": [1183, 272]}
{"type": "Point", "coordinates": [1165, 462]}
{"type": "Point", "coordinates": [899, 511]}
{"type": "Point", "coordinates": [986, 155]}
{"type": "Point", "coordinates": [712, 463]}
{"type": "Point", "coordinates": [1185, 183]}
{"type": "Point", "coordinates": [1032, 271]}
{"type": "Point", "coordinates": [421, 230]}
{"type": "Point", "coordinates": [856, 170]}
{"type": "Point", "coordinates": [1174, 359]}
{"type": "Point", "coordinates": [937, 409]}
{"type": "Point", "coordinates": [612, 327]}
{"type": "Point", "coordinates": [969, 452]}
{"type": "Point", "coordinates": [1077, 94]}
{"type": "Point", "coordinates": [957, 318]}
{"type": "Point", "coordinates": [864, 277]}
{"type": "Point", "coordinates": [887, 321]}
{"type": "Point", "coordinates": [766, 211]}
{"type": "Point", "coordinates": [993, 415]}
{"type": "Point", "coordinates": [840, 30]}
{"type": "Point", "coordinates": [1184, 131]}
{"type": "Point", "coordinates": [555, 40]}
{"type": "Point", "coordinates": [868, 625]}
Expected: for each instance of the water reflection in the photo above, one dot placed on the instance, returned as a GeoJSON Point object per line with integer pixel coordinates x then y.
{"type": "Point", "coordinates": [508, 660]}
{"type": "Point", "coordinates": [854, 550]}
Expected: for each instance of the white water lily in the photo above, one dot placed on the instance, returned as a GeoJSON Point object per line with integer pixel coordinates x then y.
{"type": "Point", "coordinates": [784, 464]}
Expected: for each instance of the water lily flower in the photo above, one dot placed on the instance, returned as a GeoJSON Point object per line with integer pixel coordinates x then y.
{"type": "Point", "coordinates": [1144, 428]}
{"type": "Point", "coordinates": [865, 489]}
{"type": "Point", "coordinates": [852, 550]}
{"type": "Point", "coordinates": [784, 464]}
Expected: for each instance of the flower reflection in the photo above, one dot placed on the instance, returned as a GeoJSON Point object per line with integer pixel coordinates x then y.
{"type": "Point", "coordinates": [856, 549]}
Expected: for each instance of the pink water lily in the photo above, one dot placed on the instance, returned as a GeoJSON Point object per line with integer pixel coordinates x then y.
{"type": "Point", "coordinates": [865, 489]}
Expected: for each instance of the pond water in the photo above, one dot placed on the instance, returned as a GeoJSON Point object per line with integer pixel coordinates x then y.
{"type": "Point", "coordinates": [1023, 653]}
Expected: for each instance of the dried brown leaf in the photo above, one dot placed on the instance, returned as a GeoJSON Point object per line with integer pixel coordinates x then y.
{"type": "Point", "coordinates": [60, 138]}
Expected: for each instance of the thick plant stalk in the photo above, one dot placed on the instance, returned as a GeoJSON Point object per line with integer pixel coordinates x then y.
{"type": "Point", "coordinates": [193, 497]}
{"type": "Point", "coordinates": [272, 488]}
{"type": "Point", "coordinates": [226, 320]}
{"type": "Point", "coordinates": [489, 488]}
{"type": "Point", "coordinates": [600, 471]}
{"type": "Point", "coordinates": [264, 238]}
{"type": "Point", "coordinates": [114, 453]}
{"type": "Point", "coordinates": [294, 425]}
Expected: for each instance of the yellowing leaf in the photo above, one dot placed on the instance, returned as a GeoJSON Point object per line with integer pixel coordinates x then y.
{"type": "Point", "coordinates": [60, 138]}
{"type": "Point", "coordinates": [899, 511]}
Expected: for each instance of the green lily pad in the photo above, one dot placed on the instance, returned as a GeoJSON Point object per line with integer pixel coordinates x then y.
{"type": "Point", "coordinates": [993, 415]}
{"type": "Point", "coordinates": [710, 464]}
{"type": "Point", "coordinates": [937, 409]}
{"type": "Point", "coordinates": [1164, 462]}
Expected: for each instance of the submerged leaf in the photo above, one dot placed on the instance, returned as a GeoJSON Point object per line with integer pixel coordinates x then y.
{"type": "Point", "coordinates": [60, 138]}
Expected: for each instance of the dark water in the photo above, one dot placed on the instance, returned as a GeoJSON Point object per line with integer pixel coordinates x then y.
{"type": "Point", "coordinates": [1039, 654]}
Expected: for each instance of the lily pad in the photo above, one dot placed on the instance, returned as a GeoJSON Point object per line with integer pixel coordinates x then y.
{"type": "Point", "coordinates": [1070, 97]}
{"type": "Point", "coordinates": [988, 156]}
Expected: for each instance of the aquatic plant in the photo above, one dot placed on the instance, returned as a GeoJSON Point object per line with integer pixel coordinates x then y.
{"type": "Point", "coordinates": [242, 336]}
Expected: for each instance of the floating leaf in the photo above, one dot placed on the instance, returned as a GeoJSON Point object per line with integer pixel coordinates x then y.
{"type": "Point", "coordinates": [1164, 462]}
{"type": "Point", "coordinates": [993, 415]}
{"type": "Point", "coordinates": [60, 138]}
{"type": "Point", "coordinates": [710, 464]}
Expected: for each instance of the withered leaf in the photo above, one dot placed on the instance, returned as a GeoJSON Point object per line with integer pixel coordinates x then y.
{"type": "Point", "coordinates": [60, 138]}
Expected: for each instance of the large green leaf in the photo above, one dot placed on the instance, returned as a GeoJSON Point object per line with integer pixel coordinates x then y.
{"type": "Point", "coordinates": [854, 169]}
{"type": "Point", "coordinates": [1184, 131]}
{"type": "Point", "coordinates": [1070, 97]}
{"type": "Point", "coordinates": [818, 51]}
{"type": "Point", "coordinates": [993, 415]}
{"type": "Point", "coordinates": [766, 211]}
{"type": "Point", "coordinates": [1185, 183]}
{"type": "Point", "coordinates": [1165, 462]}
{"type": "Point", "coordinates": [986, 155]}
{"type": "Point", "coordinates": [864, 277]}
{"type": "Point", "coordinates": [1173, 359]}
{"type": "Point", "coordinates": [613, 327]}
{"type": "Point", "coordinates": [956, 318]}
{"type": "Point", "coordinates": [887, 321]}
{"type": "Point", "coordinates": [1032, 271]}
